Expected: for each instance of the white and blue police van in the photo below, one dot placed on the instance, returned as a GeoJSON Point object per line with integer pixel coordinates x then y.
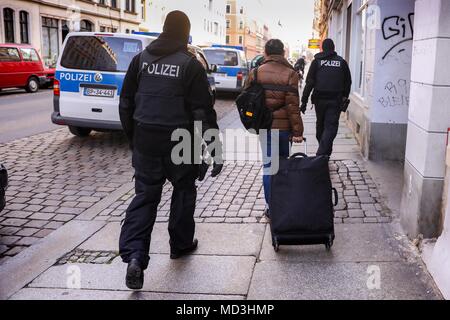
{"type": "Point", "coordinates": [89, 77]}
{"type": "Point", "coordinates": [232, 67]}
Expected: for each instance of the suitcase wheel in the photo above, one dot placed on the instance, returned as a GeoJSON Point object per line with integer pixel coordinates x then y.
{"type": "Point", "coordinates": [329, 243]}
{"type": "Point", "coordinates": [276, 245]}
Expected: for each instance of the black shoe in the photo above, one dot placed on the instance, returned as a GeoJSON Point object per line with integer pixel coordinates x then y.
{"type": "Point", "coordinates": [135, 275]}
{"type": "Point", "coordinates": [184, 252]}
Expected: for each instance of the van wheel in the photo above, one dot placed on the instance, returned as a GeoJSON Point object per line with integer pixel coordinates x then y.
{"type": "Point", "coordinates": [79, 131]}
{"type": "Point", "coordinates": [32, 85]}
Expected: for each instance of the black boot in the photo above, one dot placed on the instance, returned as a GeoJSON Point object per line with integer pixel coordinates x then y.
{"type": "Point", "coordinates": [135, 275]}
{"type": "Point", "coordinates": [180, 253]}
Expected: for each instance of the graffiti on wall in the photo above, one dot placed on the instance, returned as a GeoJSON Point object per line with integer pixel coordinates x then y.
{"type": "Point", "coordinates": [396, 94]}
{"type": "Point", "coordinates": [398, 30]}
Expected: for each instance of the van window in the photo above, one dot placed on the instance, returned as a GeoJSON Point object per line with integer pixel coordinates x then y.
{"type": "Point", "coordinates": [9, 55]}
{"type": "Point", "coordinates": [222, 57]}
{"type": "Point", "coordinates": [29, 55]}
{"type": "Point", "coordinates": [110, 54]}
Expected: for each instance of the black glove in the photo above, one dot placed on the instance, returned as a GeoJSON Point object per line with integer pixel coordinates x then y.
{"type": "Point", "coordinates": [217, 169]}
{"type": "Point", "coordinates": [303, 108]}
{"type": "Point", "coordinates": [345, 104]}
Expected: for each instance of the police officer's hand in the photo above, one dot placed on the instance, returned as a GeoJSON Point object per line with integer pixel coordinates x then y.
{"type": "Point", "coordinates": [297, 139]}
{"type": "Point", "coordinates": [217, 169]}
{"type": "Point", "coordinates": [303, 108]}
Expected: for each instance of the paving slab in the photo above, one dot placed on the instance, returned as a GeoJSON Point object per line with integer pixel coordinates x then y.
{"type": "Point", "coordinates": [16, 272]}
{"type": "Point", "coordinates": [282, 280]}
{"type": "Point", "coordinates": [74, 294]}
{"type": "Point", "coordinates": [217, 275]}
{"type": "Point", "coordinates": [353, 243]}
{"type": "Point", "coordinates": [214, 239]}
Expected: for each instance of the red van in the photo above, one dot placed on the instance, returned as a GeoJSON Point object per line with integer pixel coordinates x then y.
{"type": "Point", "coordinates": [22, 67]}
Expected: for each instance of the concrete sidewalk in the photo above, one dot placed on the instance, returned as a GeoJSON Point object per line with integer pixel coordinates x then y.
{"type": "Point", "coordinates": [235, 259]}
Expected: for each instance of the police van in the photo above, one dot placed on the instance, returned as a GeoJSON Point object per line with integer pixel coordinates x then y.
{"type": "Point", "coordinates": [232, 66]}
{"type": "Point", "coordinates": [89, 77]}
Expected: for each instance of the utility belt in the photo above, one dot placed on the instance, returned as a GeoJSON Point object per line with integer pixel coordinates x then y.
{"type": "Point", "coordinates": [332, 96]}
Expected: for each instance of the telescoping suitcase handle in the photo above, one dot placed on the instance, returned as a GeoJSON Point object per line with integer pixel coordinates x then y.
{"type": "Point", "coordinates": [301, 154]}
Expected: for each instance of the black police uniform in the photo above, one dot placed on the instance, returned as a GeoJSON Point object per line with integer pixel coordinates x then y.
{"type": "Point", "coordinates": [300, 65]}
{"type": "Point", "coordinates": [329, 76]}
{"type": "Point", "coordinates": [161, 93]}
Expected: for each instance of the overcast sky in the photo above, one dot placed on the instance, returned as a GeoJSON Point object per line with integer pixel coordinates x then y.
{"type": "Point", "coordinates": [296, 17]}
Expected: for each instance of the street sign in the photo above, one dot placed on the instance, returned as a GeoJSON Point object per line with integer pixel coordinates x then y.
{"type": "Point", "coordinates": [314, 44]}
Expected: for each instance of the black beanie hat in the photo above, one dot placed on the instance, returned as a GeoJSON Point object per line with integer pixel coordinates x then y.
{"type": "Point", "coordinates": [328, 45]}
{"type": "Point", "coordinates": [177, 26]}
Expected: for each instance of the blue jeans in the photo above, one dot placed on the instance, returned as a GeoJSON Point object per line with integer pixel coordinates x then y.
{"type": "Point", "coordinates": [269, 151]}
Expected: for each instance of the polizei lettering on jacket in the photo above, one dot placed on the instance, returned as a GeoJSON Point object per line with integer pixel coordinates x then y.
{"type": "Point", "coordinates": [330, 63]}
{"type": "Point", "coordinates": [165, 70]}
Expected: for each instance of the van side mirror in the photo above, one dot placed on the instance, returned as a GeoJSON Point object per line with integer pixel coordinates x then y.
{"type": "Point", "coordinates": [213, 68]}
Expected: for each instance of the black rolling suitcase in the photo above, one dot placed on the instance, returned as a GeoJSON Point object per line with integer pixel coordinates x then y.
{"type": "Point", "coordinates": [301, 202]}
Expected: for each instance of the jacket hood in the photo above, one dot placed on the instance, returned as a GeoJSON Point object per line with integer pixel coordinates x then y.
{"type": "Point", "coordinates": [325, 54]}
{"type": "Point", "coordinates": [278, 59]}
{"type": "Point", "coordinates": [166, 45]}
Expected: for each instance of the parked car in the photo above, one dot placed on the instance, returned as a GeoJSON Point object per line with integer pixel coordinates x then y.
{"type": "Point", "coordinates": [50, 77]}
{"type": "Point", "coordinates": [88, 83]}
{"type": "Point", "coordinates": [210, 68]}
{"type": "Point", "coordinates": [232, 68]}
{"type": "Point", "coordinates": [257, 61]}
{"type": "Point", "coordinates": [22, 67]}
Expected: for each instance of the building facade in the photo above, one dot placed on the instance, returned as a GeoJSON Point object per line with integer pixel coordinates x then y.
{"type": "Point", "coordinates": [245, 30]}
{"type": "Point", "coordinates": [45, 23]}
{"type": "Point", "coordinates": [207, 18]}
{"type": "Point", "coordinates": [397, 52]}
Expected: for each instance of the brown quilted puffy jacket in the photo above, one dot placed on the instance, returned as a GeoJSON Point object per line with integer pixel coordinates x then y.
{"type": "Point", "coordinates": [285, 106]}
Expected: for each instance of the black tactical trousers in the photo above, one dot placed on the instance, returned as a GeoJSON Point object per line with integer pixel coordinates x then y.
{"type": "Point", "coordinates": [328, 113]}
{"type": "Point", "coordinates": [151, 174]}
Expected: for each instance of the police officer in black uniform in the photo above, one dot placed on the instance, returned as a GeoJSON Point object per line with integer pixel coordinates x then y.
{"type": "Point", "coordinates": [329, 76]}
{"type": "Point", "coordinates": [165, 89]}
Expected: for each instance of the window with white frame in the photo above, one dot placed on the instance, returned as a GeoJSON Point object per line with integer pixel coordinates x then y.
{"type": "Point", "coordinates": [358, 66]}
{"type": "Point", "coordinates": [24, 28]}
{"type": "Point", "coordinates": [8, 22]}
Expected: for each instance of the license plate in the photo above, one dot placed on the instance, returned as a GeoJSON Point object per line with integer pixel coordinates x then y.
{"type": "Point", "coordinates": [95, 92]}
{"type": "Point", "coordinates": [221, 75]}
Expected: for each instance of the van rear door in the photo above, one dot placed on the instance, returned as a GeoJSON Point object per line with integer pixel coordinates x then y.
{"type": "Point", "coordinates": [91, 73]}
{"type": "Point", "coordinates": [228, 67]}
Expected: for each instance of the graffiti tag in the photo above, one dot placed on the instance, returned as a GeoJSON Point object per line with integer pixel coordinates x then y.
{"type": "Point", "coordinates": [399, 29]}
{"type": "Point", "coordinates": [396, 94]}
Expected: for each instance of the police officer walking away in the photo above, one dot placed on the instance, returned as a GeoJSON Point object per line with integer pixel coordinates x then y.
{"type": "Point", "coordinates": [329, 76]}
{"type": "Point", "coordinates": [165, 89]}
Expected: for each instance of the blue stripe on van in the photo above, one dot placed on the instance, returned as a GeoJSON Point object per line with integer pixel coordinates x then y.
{"type": "Point", "coordinates": [231, 71]}
{"type": "Point", "coordinates": [70, 81]}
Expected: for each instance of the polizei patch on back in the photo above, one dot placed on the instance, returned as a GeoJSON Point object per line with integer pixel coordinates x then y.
{"type": "Point", "coordinates": [330, 63]}
{"type": "Point", "coordinates": [162, 69]}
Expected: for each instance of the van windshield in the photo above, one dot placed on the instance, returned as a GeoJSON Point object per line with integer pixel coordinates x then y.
{"type": "Point", "coordinates": [111, 54]}
{"type": "Point", "coordinates": [222, 57]}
